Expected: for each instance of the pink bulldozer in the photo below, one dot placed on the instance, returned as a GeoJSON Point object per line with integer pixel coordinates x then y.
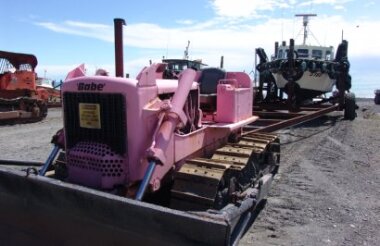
{"type": "Point", "coordinates": [154, 160]}
{"type": "Point", "coordinates": [134, 132]}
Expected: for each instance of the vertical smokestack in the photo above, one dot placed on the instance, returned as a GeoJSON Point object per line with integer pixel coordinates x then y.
{"type": "Point", "coordinates": [119, 63]}
{"type": "Point", "coordinates": [221, 61]}
{"type": "Point", "coordinates": [291, 48]}
{"type": "Point", "coordinates": [276, 49]}
{"type": "Point", "coordinates": [291, 55]}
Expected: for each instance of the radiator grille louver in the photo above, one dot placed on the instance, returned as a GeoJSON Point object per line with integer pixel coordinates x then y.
{"type": "Point", "coordinates": [112, 116]}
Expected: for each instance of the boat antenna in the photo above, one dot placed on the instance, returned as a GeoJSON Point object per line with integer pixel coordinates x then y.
{"type": "Point", "coordinates": [305, 22]}
{"type": "Point", "coordinates": [186, 52]}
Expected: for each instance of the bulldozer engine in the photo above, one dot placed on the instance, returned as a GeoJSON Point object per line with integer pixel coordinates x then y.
{"type": "Point", "coordinates": [110, 124]}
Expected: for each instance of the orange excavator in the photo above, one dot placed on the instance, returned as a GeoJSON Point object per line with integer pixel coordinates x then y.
{"type": "Point", "coordinates": [20, 100]}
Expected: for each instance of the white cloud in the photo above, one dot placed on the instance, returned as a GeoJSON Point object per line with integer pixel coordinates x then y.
{"type": "Point", "coordinates": [94, 30]}
{"type": "Point", "coordinates": [337, 4]}
{"type": "Point", "coordinates": [215, 38]}
{"type": "Point", "coordinates": [339, 7]}
{"type": "Point", "coordinates": [185, 22]}
{"type": "Point", "coordinates": [245, 8]}
{"type": "Point", "coordinates": [369, 4]}
{"type": "Point", "coordinates": [239, 38]}
{"type": "Point", "coordinates": [54, 71]}
{"type": "Point", "coordinates": [133, 67]}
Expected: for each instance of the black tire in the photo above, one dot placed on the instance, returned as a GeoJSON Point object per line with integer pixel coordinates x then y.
{"type": "Point", "coordinates": [349, 106]}
{"type": "Point", "coordinates": [43, 110]}
{"type": "Point", "coordinates": [377, 97]}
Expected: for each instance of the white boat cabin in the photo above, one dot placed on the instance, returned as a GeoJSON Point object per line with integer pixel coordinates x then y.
{"type": "Point", "coordinates": [307, 52]}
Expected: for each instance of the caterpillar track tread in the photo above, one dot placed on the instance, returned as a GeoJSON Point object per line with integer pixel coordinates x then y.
{"type": "Point", "coordinates": [212, 183]}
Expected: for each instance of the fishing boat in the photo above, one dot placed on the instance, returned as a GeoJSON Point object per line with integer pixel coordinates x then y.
{"type": "Point", "coordinates": [176, 66]}
{"type": "Point", "coordinates": [305, 71]}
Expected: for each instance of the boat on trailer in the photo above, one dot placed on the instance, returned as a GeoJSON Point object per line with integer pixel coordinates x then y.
{"type": "Point", "coordinates": [311, 69]}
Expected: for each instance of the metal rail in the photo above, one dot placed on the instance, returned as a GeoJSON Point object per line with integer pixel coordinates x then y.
{"type": "Point", "coordinates": [274, 120]}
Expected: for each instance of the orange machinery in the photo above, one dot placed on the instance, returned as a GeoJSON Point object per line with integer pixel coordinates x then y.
{"type": "Point", "coordinates": [19, 98]}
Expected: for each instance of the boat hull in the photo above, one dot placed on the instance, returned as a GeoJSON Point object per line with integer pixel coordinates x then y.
{"type": "Point", "coordinates": [313, 81]}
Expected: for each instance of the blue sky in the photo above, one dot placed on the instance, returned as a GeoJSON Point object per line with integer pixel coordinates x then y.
{"type": "Point", "coordinates": [64, 34]}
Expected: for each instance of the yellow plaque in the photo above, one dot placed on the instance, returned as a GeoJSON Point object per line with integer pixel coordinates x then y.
{"type": "Point", "coordinates": [89, 115]}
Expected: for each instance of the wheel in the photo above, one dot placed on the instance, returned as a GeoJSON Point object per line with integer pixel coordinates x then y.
{"type": "Point", "coordinates": [293, 90]}
{"type": "Point", "coordinates": [377, 97]}
{"type": "Point", "coordinates": [271, 94]}
{"type": "Point", "coordinates": [349, 106]}
{"type": "Point", "coordinates": [43, 109]}
{"type": "Point", "coordinates": [60, 167]}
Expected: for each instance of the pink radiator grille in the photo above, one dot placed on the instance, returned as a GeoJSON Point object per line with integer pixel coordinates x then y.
{"type": "Point", "coordinates": [95, 165]}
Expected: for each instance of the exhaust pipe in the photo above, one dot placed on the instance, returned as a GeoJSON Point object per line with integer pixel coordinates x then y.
{"type": "Point", "coordinates": [275, 49]}
{"type": "Point", "coordinates": [119, 62]}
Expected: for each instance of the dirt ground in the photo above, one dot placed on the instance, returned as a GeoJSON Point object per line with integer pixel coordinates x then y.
{"type": "Point", "coordinates": [328, 187]}
{"type": "Point", "coordinates": [30, 141]}
{"type": "Point", "coordinates": [327, 190]}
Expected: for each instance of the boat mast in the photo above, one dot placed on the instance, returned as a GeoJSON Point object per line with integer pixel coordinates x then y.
{"type": "Point", "coordinates": [305, 22]}
{"type": "Point", "coordinates": [186, 52]}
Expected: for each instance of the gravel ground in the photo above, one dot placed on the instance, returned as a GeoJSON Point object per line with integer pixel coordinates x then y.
{"type": "Point", "coordinates": [30, 141]}
{"type": "Point", "coordinates": [327, 190]}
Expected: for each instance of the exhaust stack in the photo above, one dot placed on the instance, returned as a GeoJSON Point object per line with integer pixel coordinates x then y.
{"type": "Point", "coordinates": [276, 49]}
{"type": "Point", "coordinates": [119, 62]}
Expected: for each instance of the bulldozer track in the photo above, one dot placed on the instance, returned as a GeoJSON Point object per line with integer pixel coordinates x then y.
{"type": "Point", "coordinates": [28, 110]}
{"type": "Point", "coordinates": [211, 183]}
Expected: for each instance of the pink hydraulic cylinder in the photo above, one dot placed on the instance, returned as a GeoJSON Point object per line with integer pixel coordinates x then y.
{"type": "Point", "coordinates": [171, 118]}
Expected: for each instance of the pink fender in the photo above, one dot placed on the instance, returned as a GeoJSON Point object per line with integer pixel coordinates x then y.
{"type": "Point", "coordinates": [77, 72]}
